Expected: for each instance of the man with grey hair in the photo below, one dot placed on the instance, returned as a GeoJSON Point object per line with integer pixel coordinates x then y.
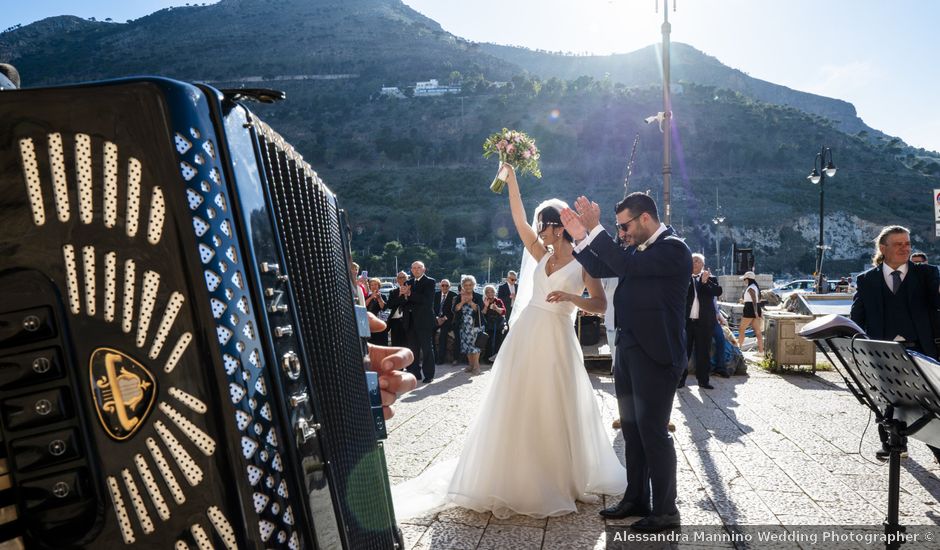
{"type": "Point", "coordinates": [700, 319]}
{"type": "Point", "coordinates": [418, 294]}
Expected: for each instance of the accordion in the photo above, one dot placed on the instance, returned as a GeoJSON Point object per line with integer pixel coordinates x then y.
{"type": "Point", "coordinates": [181, 354]}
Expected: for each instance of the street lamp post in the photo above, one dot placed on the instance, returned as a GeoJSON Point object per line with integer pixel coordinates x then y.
{"type": "Point", "coordinates": [667, 115]}
{"type": "Point", "coordinates": [818, 176]}
{"type": "Point", "coordinates": [717, 220]}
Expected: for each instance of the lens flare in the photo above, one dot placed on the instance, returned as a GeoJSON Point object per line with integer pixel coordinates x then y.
{"type": "Point", "coordinates": [554, 115]}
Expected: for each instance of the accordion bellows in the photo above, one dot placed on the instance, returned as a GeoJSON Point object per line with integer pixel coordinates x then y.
{"type": "Point", "coordinates": [180, 364]}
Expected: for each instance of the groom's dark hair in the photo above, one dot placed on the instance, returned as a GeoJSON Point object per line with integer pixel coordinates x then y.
{"type": "Point", "coordinates": [638, 203]}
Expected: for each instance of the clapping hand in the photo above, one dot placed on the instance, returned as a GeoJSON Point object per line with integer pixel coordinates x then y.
{"type": "Point", "coordinates": [389, 363]}
{"type": "Point", "coordinates": [573, 225]}
{"type": "Point", "coordinates": [589, 211]}
{"type": "Point", "coordinates": [705, 276]}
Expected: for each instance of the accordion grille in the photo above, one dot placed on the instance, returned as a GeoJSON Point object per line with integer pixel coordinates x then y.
{"type": "Point", "coordinates": [311, 228]}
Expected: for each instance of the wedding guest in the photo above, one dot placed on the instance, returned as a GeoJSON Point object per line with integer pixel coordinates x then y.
{"type": "Point", "coordinates": [354, 271]}
{"type": "Point", "coordinates": [419, 309]}
{"type": "Point", "coordinates": [494, 311]}
{"type": "Point", "coordinates": [919, 258]}
{"type": "Point", "coordinates": [898, 300]}
{"type": "Point", "coordinates": [468, 318]}
{"type": "Point", "coordinates": [375, 303]}
{"type": "Point", "coordinates": [444, 313]}
{"type": "Point", "coordinates": [507, 292]}
{"type": "Point", "coordinates": [752, 314]}
{"type": "Point", "coordinates": [397, 322]}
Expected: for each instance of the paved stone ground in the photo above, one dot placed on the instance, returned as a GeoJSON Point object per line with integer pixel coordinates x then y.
{"type": "Point", "coordinates": [762, 449]}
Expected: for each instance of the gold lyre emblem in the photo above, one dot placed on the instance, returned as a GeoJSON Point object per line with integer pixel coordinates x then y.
{"type": "Point", "coordinates": [123, 391]}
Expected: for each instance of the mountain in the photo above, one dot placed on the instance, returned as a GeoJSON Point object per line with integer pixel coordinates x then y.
{"type": "Point", "coordinates": [376, 39]}
{"type": "Point", "coordinates": [410, 171]}
{"type": "Point", "coordinates": [643, 68]}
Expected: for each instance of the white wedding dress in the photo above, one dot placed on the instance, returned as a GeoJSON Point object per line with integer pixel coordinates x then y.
{"type": "Point", "coordinates": [538, 443]}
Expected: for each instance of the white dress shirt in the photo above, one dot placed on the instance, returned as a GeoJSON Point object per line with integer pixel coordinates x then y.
{"type": "Point", "coordinates": [886, 270]}
{"type": "Point", "coordinates": [693, 313]}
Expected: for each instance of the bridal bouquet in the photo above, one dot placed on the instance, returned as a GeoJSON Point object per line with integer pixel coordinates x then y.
{"type": "Point", "coordinates": [516, 149]}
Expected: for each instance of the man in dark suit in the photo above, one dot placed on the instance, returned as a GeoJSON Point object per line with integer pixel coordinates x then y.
{"type": "Point", "coordinates": [397, 322]}
{"type": "Point", "coordinates": [507, 292]}
{"type": "Point", "coordinates": [700, 319]}
{"type": "Point", "coordinates": [444, 315]}
{"type": "Point", "coordinates": [649, 312]}
{"type": "Point", "coordinates": [898, 300]}
{"type": "Point", "coordinates": [418, 293]}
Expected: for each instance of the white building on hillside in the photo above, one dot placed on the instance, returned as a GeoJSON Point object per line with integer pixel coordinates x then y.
{"type": "Point", "coordinates": [392, 91]}
{"type": "Point", "coordinates": [432, 88]}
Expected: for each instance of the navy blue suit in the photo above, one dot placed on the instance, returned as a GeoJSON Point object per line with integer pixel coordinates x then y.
{"type": "Point", "coordinates": [649, 310]}
{"type": "Point", "coordinates": [921, 291]}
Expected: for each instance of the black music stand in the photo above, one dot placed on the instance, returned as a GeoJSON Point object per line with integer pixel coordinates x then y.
{"type": "Point", "coordinates": [890, 381]}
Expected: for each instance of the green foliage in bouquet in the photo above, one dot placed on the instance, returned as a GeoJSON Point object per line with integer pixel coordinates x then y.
{"type": "Point", "coordinates": [514, 148]}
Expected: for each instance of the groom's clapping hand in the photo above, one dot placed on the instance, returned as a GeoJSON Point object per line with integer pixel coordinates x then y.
{"type": "Point", "coordinates": [572, 223]}
{"type": "Point", "coordinates": [589, 211]}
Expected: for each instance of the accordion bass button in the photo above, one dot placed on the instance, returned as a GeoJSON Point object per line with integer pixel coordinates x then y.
{"type": "Point", "coordinates": [269, 266]}
{"type": "Point", "coordinates": [305, 430]}
{"type": "Point", "coordinates": [290, 362]}
{"type": "Point", "coordinates": [298, 399]}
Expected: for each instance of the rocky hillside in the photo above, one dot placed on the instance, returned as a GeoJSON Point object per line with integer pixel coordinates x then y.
{"type": "Point", "coordinates": [410, 171]}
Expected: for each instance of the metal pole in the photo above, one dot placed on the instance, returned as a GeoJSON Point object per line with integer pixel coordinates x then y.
{"type": "Point", "coordinates": [667, 113]}
{"type": "Point", "coordinates": [819, 251]}
{"type": "Point", "coordinates": [717, 248]}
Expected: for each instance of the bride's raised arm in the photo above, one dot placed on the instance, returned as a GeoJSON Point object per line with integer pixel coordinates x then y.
{"type": "Point", "coordinates": [529, 238]}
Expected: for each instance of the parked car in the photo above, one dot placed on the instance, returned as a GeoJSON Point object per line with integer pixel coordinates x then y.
{"type": "Point", "coordinates": [800, 285]}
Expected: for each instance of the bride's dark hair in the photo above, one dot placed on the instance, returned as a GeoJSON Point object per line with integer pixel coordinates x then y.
{"type": "Point", "coordinates": [551, 215]}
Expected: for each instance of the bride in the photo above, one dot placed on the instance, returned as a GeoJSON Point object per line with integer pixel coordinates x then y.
{"type": "Point", "coordinates": [538, 443]}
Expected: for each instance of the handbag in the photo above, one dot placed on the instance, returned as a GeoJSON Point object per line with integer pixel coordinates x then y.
{"type": "Point", "coordinates": [481, 340]}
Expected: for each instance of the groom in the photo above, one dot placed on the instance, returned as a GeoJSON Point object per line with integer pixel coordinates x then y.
{"type": "Point", "coordinates": [649, 310]}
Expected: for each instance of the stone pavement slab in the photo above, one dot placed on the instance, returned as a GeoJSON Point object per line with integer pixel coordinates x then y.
{"type": "Point", "coordinates": [787, 450]}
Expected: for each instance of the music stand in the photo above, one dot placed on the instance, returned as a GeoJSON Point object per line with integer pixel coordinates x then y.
{"type": "Point", "coordinates": [887, 379]}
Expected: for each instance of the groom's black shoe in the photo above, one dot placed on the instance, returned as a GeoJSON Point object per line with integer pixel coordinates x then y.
{"type": "Point", "coordinates": [655, 524]}
{"type": "Point", "coordinates": [624, 509]}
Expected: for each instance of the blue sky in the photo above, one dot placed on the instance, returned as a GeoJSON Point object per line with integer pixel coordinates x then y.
{"type": "Point", "coordinates": [873, 53]}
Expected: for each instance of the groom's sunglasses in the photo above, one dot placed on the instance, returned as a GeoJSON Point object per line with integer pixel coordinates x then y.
{"type": "Point", "coordinates": [623, 226]}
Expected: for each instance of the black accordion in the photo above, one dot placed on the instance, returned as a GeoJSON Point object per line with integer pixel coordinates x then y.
{"type": "Point", "coordinates": [181, 353]}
